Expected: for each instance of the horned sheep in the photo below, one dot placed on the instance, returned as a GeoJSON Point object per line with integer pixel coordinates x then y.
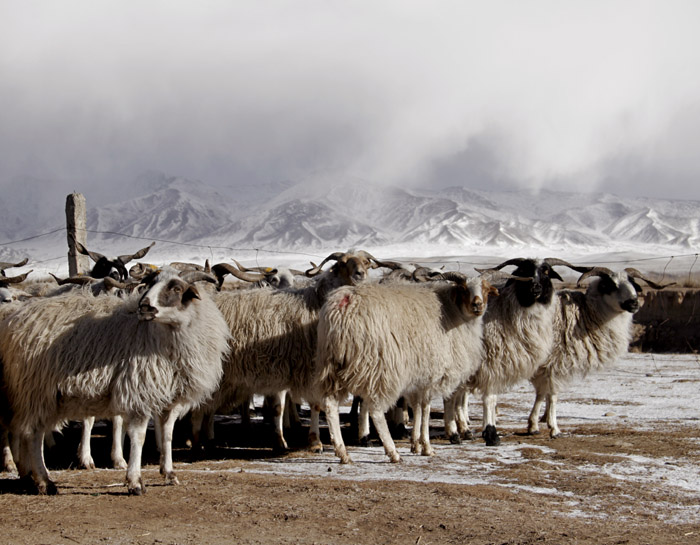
{"type": "Point", "coordinates": [592, 330]}
{"type": "Point", "coordinates": [274, 342]}
{"type": "Point", "coordinates": [382, 341]}
{"type": "Point", "coordinates": [75, 355]}
{"type": "Point", "coordinates": [518, 337]}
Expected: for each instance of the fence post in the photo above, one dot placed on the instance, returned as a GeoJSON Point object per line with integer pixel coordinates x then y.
{"type": "Point", "coordinates": [75, 229]}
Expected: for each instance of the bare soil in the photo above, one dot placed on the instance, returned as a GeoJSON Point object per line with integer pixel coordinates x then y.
{"type": "Point", "coordinates": [224, 499]}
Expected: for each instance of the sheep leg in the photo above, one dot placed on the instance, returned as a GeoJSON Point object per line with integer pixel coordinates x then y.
{"type": "Point", "coordinates": [449, 405]}
{"type": "Point", "coordinates": [462, 415]}
{"type": "Point", "coordinates": [489, 432]}
{"type": "Point", "coordinates": [8, 462]}
{"type": "Point", "coordinates": [382, 427]}
{"type": "Point", "coordinates": [533, 426]}
{"type": "Point", "coordinates": [427, 450]}
{"type": "Point", "coordinates": [84, 455]}
{"type": "Point", "coordinates": [196, 419]}
{"type": "Point", "coordinates": [416, 447]}
{"type": "Point", "coordinates": [363, 425]}
{"type": "Point", "coordinates": [315, 444]}
{"type": "Point", "coordinates": [554, 430]}
{"type": "Point", "coordinates": [278, 400]}
{"type": "Point", "coordinates": [44, 484]}
{"type": "Point", "coordinates": [136, 428]}
{"type": "Point", "coordinates": [333, 420]}
{"type": "Point", "coordinates": [117, 454]}
{"type": "Point", "coordinates": [168, 419]}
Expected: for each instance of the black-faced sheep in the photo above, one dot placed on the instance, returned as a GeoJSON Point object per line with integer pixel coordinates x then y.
{"type": "Point", "coordinates": [591, 330]}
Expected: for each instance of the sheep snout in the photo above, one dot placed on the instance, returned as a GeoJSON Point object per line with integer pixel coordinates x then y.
{"type": "Point", "coordinates": [631, 305]}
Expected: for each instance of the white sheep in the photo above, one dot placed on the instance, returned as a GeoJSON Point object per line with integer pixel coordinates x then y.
{"type": "Point", "coordinates": [518, 335]}
{"type": "Point", "coordinates": [75, 355]}
{"type": "Point", "coordinates": [382, 341]}
{"type": "Point", "coordinates": [274, 342]}
{"type": "Point", "coordinates": [592, 330]}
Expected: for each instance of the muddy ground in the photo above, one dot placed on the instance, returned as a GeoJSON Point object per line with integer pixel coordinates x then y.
{"type": "Point", "coordinates": [626, 472]}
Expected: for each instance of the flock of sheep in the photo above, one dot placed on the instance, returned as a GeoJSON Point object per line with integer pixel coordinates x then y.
{"type": "Point", "coordinates": [162, 342]}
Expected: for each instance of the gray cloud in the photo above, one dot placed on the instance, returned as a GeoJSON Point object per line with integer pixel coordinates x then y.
{"type": "Point", "coordinates": [540, 94]}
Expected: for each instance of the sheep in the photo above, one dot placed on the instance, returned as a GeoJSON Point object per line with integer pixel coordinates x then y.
{"type": "Point", "coordinates": [75, 355]}
{"type": "Point", "coordinates": [592, 330]}
{"type": "Point", "coordinates": [382, 341]}
{"type": "Point", "coordinates": [274, 342]}
{"type": "Point", "coordinates": [518, 337]}
{"type": "Point", "coordinates": [111, 266]}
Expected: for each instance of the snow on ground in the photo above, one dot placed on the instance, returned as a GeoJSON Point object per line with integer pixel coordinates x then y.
{"type": "Point", "coordinates": [641, 391]}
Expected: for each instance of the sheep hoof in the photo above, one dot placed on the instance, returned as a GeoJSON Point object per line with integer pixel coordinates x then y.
{"type": "Point", "coordinates": [171, 479]}
{"type": "Point", "coordinates": [364, 441]}
{"type": "Point", "coordinates": [428, 452]}
{"type": "Point", "coordinates": [490, 435]}
{"type": "Point", "coordinates": [455, 439]}
{"type": "Point", "coordinates": [533, 432]}
{"type": "Point", "coordinates": [345, 459]}
{"type": "Point", "coordinates": [468, 435]}
{"type": "Point", "coordinates": [9, 467]}
{"type": "Point", "coordinates": [119, 464]}
{"type": "Point", "coordinates": [47, 489]}
{"type": "Point", "coordinates": [394, 458]}
{"type": "Point", "coordinates": [316, 448]}
{"type": "Point", "coordinates": [138, 490]}
{"type": "Point", "coordinates": [416, 449]}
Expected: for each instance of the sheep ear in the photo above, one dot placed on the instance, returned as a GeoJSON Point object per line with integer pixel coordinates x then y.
{"type": "Point", "coordinates": [190, 293]}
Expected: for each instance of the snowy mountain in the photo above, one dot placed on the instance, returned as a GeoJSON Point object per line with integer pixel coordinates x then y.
{"type": "Point", "coordinates": [191, 218]}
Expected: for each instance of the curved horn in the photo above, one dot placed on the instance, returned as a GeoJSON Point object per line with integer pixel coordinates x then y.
{"type": "Point", "coordinates": [4, 265]}
{"type": "Point", "coordinates": [594, 271]}
{"type": "Point", "coordinates": [95, 256]}
{"type": "Point", "coordinates": [634, 273]}
{"type": "Point", "coordinates": [198, 276]}
{"type": "Point", "coordinates": [184, 267]}
{"type": "Point", "coordinates": [393, 265]}
{"type": "Point", "coordinates": [264, 270]}
{"type": "Point", "coordinates": [455, 276]}
{"type": "Point", "coordinates": [140, 270]}
{"type": "Point", "coordinates": [317, 268]}
{"type": "Point", "coordinates": [368, 256]}
{"type": "Point", "coordinates": [14, 279]}
{"type": "Point", "coordinates": [77, 280]}
{"type": "Point", "coordinates": [494, 275]}
{"type": "Point", "coordinates": [555, 261]}
{"type": "Point", "coordinates": [124, 259]}
{"type": "Point", "coordinates": [517, 261]}
{"type": "Point", "coordinates": [425, 274]}
{"type": "Point", "coordinates": [222, 269]}
{"type": "Point", "coordinates": [110, 282]}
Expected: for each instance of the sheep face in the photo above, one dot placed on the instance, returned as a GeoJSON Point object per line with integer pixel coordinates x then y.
{"type": "Point", "coordinates": [539, 288]}
{"type": "Point", "coordinates": [350, 270]}
{"type": "Point", "coordinates": [165, 300]}
{"type": "Point", "coordinates": [472, 297]}
{"type": "Point", "coordinates": [619, 291]}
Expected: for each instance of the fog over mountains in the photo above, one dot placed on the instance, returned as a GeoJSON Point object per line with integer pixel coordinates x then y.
{"type": "Point", "coordinates": [329, 214]}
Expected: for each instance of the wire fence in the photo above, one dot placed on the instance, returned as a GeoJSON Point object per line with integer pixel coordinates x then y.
{"type": "Point", "coordinates": [679, 267]}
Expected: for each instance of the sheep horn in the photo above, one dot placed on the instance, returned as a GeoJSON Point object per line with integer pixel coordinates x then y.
{"type": "Point", "coordinates": [124, 259]}
{"type": "Point", "coordinates": [317, 268]}
{"type": "Point", "coordinates": [494, 275]}
{"type": "Point", "coordinates": [183, 267]}
{"type": "Point", "coordinates": [634, 273]}
{"type": "Point", "coordinates": [197, 276]}
{"type": "Point", "coordinates": [555, 261]}
{"type": "Point", "coordinates": [222, 269]}
{"type": "Point", "coordinates": [425, 274]}
{"type": "Point", "coordinates": [594, 271]}
{"type": "Point", "coordinates": [517, 261]}
{"type": "Point", "coordinates": [110, 282]}
{"type": "Point", "coordinates": [4, 265]}
{"type": "Point", "coordinates": [13, 279]}
{"type": "Point", "coordinates": [393, 265]}
{"type": "Point", "coordinates": [454, 276]}
{"type": "Point", "coordinates": [263, 270]}
{"type": "Point", "coordinates": [77, 280]}
{"type": "Point", "coordinates": [95, 256]}
{"type": "Point", "coordinates": [140, 270]}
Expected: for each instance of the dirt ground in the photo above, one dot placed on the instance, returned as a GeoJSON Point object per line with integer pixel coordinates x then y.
{"type": "Point", "coordinates": [562, 492]}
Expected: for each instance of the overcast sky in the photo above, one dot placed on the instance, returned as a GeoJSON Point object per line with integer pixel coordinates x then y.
{"type": "Point", "coordinates": [592, 95]}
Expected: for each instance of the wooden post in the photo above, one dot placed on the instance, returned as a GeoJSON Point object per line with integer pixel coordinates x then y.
{"type": "Point", "coordinates": [75, 227]}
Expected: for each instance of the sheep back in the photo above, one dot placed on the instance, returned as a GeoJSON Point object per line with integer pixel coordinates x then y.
{"type": "Point", "coordinates": [384, 341]}
{"type": "Point", "coordinates": [75, 355]}
{"type": "Point", "coordinates": [517, 341]}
